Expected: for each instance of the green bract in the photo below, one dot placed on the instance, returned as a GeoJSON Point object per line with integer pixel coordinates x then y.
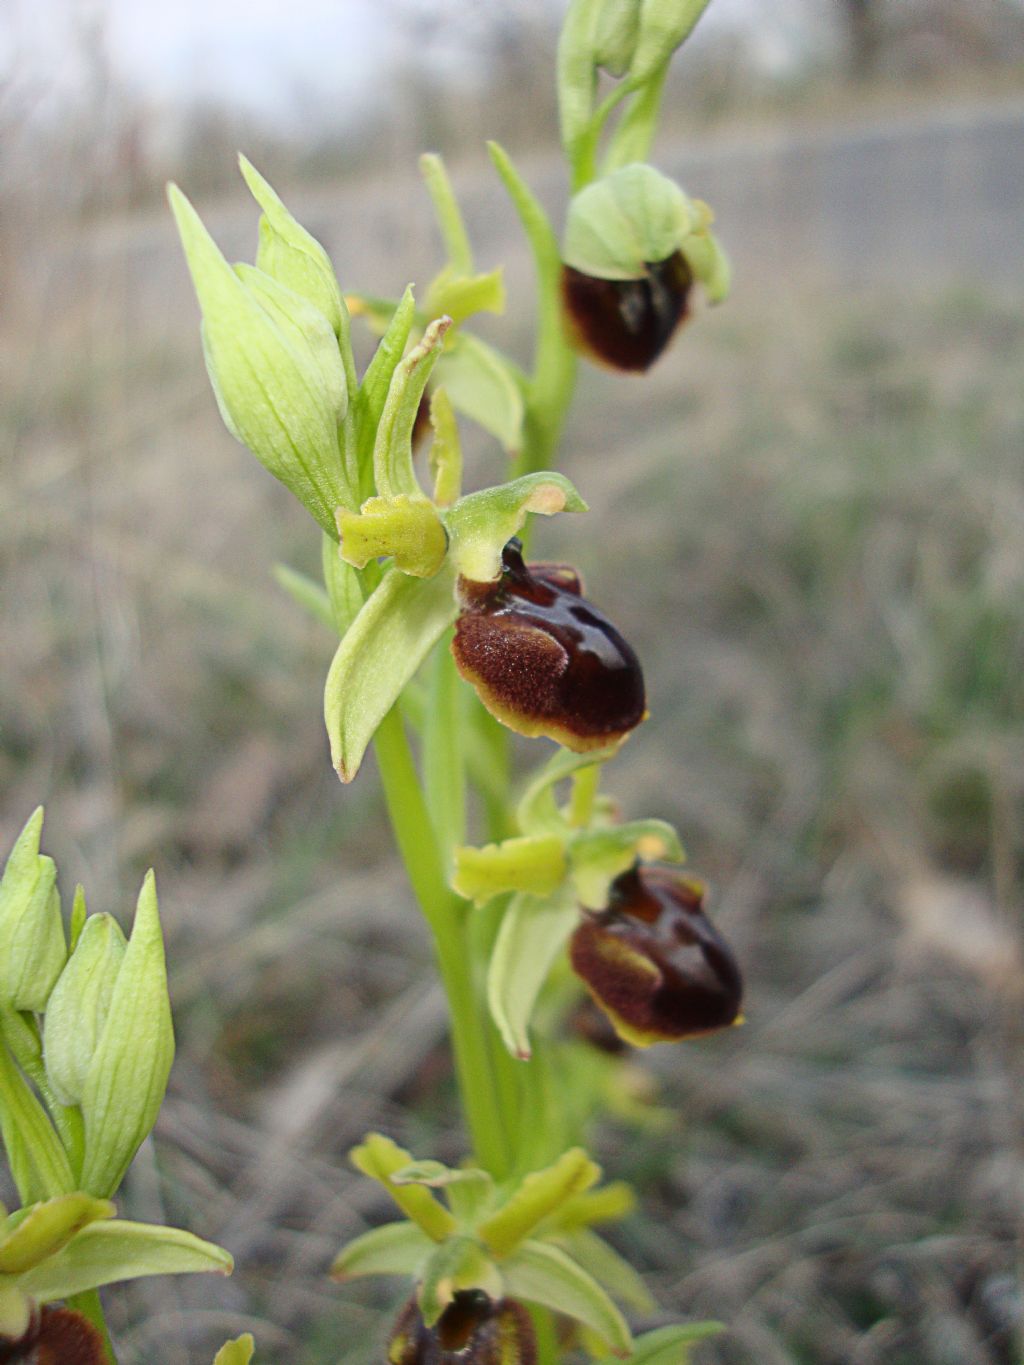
{"type": "Point", "coordinates": [32, 945]}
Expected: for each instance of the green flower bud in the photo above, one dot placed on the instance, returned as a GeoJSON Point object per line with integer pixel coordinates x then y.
{"type": "Point", "coordinates": [127, 1075]}
{"type": "Point", "coordinates": [279, 381]}
{"type": "Point", "coordinates": [32, 945]}
{"type": "Point", "coordinates": [78, 1008]}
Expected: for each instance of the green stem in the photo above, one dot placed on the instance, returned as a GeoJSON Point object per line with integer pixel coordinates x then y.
{"type": "Point", "coordinates": [446, 915]}
{"type": "Point", "coordinates": [88, 1304]}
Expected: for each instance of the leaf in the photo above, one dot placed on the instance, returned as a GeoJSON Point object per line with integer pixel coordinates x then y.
{"type": "Point", "coordinates": [533, 932]}
{"type": "Point", "coordinates": [395, 630]}
{"type": "Point", "coordinates": [394, 1249]}
{"type": "Point", "coordinates": [538, 1196]}
{"type": "Point", "coordinates": [485, 387]}
{"type": "Point", "coordinates": [104, 1253]}
{"type": "Point", "coordinates": [544, 1275]}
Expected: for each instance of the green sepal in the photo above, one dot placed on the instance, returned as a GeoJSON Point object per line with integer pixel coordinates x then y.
{"type": "Point", "coordinates": [537, 811]}
{"type": "Point", "coordinates": [408, 529]}
{"type": "Point", "coordinates": [612, 1271]}
{"type": "Point", "coordinates": [292, 255]}
{"type": "Point", "coordinates": [309, 595]}
{"type": "Point", "coordinates": [445, 450]}
{"type": "Point", "coordinates": [481, 524]}
{"type": "Point", "coordinates": [393, 1249]}
{"type": "Point", "coordinates": [78, 918]}
{"type": "Point", "coordinates": [608, 1204]}
{"type": "Point", "coordinates": [344, 590]}
{"type": "Point", "coordinates": [32, 945]}
{"type": "Point", "coordinates": [39, 1164]}
{"type": "Point", "coordinates": [597, 857]}
{"type": "Point", "coordinates": [671, 1345]}
{"type": "Point", "coordinates": [379, 1158]}
{"type": "Point", "coordinates": [236, 1352]}
{"type": "Point", "coordinates": [533, 932]}
{"type": "Point", "coordinates": [620, 224]}
{"type": "Point", "coordinates": [79, 1005]}
{"type": "Point", "coordinates": [305, 327]}
{"type": "Point", "coordinates": [539, 1195]}
{"type": "Point", "coordinates": [458, 1263]}
{"type": "Point", "coordinates": [47, 1227]}
{"type": "Point", "coordinates": [460, 296]}
{"type": "Point", "coordinates": [708, 261]}
{"type": "Point", "coordinates": [485, 387]}
{"type": "Point", "coordinates": [447, 212]}
{"type": "Point", "coordinates": [534, 863]}
{"type": "Point", "coordinates": [105, 1252]}
{"type": "Point", "coordinates": [268, 385]}
{"type": "Point", "coordinates": [395, 630]}
{"type": "Point", "coordinates": [664, 26]}
{"type": "Point", "coordinates": [546, 1275]}
{"type": "Point", "coordinates": [393, 471]}
{"type": "Point", "coordinates": [128, 1073]}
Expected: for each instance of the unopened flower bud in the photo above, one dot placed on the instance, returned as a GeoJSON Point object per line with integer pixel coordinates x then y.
{"type": "Point", "coordinates": [543, 660]}
{"type": "Point", "coordinates": [472, 1330]}
{"type": "Point", "coordinates": [77, 1010]}
{"type": "Point", "coordinates": [32, 945]}
{"type": "Point", "coordinates": [655, 963]}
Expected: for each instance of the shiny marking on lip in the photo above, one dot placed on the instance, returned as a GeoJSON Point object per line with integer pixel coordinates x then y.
{"type": "Point", "coordinates": [626, 324]}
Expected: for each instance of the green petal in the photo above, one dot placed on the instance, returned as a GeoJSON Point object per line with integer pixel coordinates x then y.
{"type": "Point", "coordinates": [534, 863]}
{"type": "Point", "coordinates": [394, 1249]}
{"type": "Point", "coordinates": [392, 451]}
{"type": "Point", "coordinates": [380, 1158]}
{"type": "Point", "coordinates": [539, 1196]}
{"type": "Point", "coordinates": [386, 643]}
{"type": "Point", "coordinates": [542, 1274]}
{"type": "Point", "coordinates": [104, 1253]}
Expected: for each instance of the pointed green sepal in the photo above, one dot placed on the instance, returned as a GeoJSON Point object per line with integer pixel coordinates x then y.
{"type": "Point", "coordinates": [269, 386]}
{"type": "Point", "coordinates": [609, 1204]}
{"type": "Point", "coordinates": [392, 452]}
{"type": "Point", "coordinates": [32, 945]}
{"type": "Point", "coordinates": [292, 255]}
{"type": "Point", "coordinates": [445, 450]}
{"type": "Point", "coordinates": [533, 931]}
{"type": "Point", "coordinates": [237, 1352]}
{"type": "Point", "coordinates": [393, 1249]}
{"type": "Point", "coordinates": [534, 863]}
{"type": "Point", "coordinates": [79, 1005]}
{"type": "Point", "coordinates": [386, 643]}
{"type": "Point", "coordinates": [408, 529]}
{"type": "Point", "coordinates": [379, 1158]}
{"type": "Point", "coordinates": [485, 387]}
{"type": "Point", "coordinates": [127, 1075]}
{"type": "Point", "coordinates": [46, 1228]}
{"type": "Point", "coordinates": [537, 1198]}
{"type": "Point", "coordinates": [105, 1252]}
{"type": "Point", "coordinates": [707, 259]}
{"type": "Point", "coordinates": [545, 1275]}
{"type": "Point", "coordinates": [597, 857]}
{"type": "Point", "coordinates": [481, 524]}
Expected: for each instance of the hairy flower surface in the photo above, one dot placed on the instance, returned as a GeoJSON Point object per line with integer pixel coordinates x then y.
{"type": "Point", "coordinates": [627, 323]}
{"type": "Point", "coordinates": [472, 1330]}
{"type": "Point", "coordinates": [655, 963]}
{"type": "Point", "coordinates": [543, 660]}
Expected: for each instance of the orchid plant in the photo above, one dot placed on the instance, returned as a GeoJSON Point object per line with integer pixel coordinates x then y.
{"type": "Point", "coordinates": [563, 934]}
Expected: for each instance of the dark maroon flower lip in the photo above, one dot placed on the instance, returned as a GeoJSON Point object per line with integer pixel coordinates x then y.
{"type": "Point", "coordinates": [472, 1330]}
{"type": "Point", "coordinates": [544, 660]}
{"type": "Point", "coordinates": [626, 324]}
{"type": "Point", "coordinates": [56, 1336]}
{"type": "Point", "coordinates": [655, 963]}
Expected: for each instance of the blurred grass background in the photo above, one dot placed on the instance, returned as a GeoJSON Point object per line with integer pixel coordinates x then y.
{"type": "Point", "coordinates": [809, 519]}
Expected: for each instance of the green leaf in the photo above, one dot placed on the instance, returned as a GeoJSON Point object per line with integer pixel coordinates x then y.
{"type": "Point", "coordinates": [128, 1073]}
{"type": "Point", "coordinates": [534, 863]}
{"type": "Point", "coordinates": [392, 451]}
{"type": "Point", "coordinates": [394, 1249]}
{"type": "Point", "coordinates": [538, 1196]}
{"type": "Point", "coordinates": [237, 1352]}
{"type": "Point", "coordinates": [485, 387]}
{"type": "Point", "coordinates": [306, 592]}
{"type": "Point", "coordinates": [103, 1253]}
{"type": "Point", "coordinates": [545, 1275]}
{"type": "Point", "coordinates": [533, 932]}
{"type": "Point", "coordinates": [386, 643]}
{"type": "Point", "coordinates": [268, 385]}
{"type": "Point", "coordinates": [47, 1227]}
{"type": "Point", "coordinates": [481, 524]}
{"type": "Point", "coordinates": [598, 856]}
{"type": "Point", "coordinates": [612, 1271]}
{"type": "Point", "coordinates": [38, 1162]}
{"type": "Point", "coordinates": [379, 1158]}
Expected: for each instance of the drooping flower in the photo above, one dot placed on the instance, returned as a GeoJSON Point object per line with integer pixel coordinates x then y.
{"type": "Point", "coordinates": [543, 660]}
{"type": "Point", "coordinates": [655, 963]}
{"type": "Point", "coordinates": [473, 1330]}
